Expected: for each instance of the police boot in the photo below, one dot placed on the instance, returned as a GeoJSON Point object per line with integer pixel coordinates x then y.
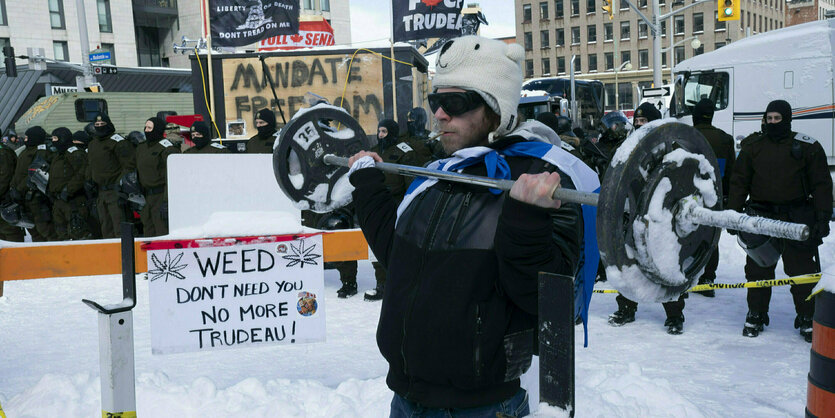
{"type": "Point", "coordinates": [708, 293]}
{"type": "Point", "coordinates": [675, 324]}
{"type": "Point", "coordinates": [375, 294]}
{"type": "Point", "coordinates": [804, 323]}
{"type": "Point", "coordinates": [754, 323]}
{"type": "Point", "coordinates": [622, 316]}
{"type": "Point", "coordinates": [348, 289]}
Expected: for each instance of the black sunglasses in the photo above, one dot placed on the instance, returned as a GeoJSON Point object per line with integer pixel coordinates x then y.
{"type": "Point", "coordinates": [455, 103]}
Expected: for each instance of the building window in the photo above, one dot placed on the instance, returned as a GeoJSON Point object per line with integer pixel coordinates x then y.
{"type": "Point", "coordinates": [546, 66]}
{"type": "Point", "coordinates": [56, 14]}
{"type": "Point", "coordinates": [577, 67]}
{"type": "Point", "coordinates": [528, 41]}
{"type": "Point", "coordinates": [624, 5]}
{"type": "Point", "coordinates": [722, 25]}
{"type": "Point", "coordinates": [60, 51]}
{"type": "Point", "coordinates": [560, 41]}
{"type": "Point", "coordinates": [112, 50]}
{"type": "Point", "coordinates": [308, 4]}
{"type": "Point", "coordinates": [678, 54]}
{"type": "Point", "coordinates": [4, 20]}
{"type": "Point", "coordinates": [575, 35]}
{"type": "Point", "coordinates": [624, 30]}
{"type": "Point", "coordinates": [575, 7]}
{"type": "Point", "coordinates": [625, 56]}
{"type": "Point", "coordinates": [608, 33]}
{"type": "Point", "coordinates": [699, 51]}
{"type": "Point", "coordinates": [528, 68]}
{"type": "Point", "coordinates": [105, 23]}
{"type": "Point", "coordinates": [698, 22]}
{"type": "Point", "coordinates": [642, 4]}
{"type": "Point", "coordinates": [526, 13]}
{"type": "Point", "coordinates": [643, 29]}
{"type": "Point", "coordinates": [590, 6]}
{"type": "Point", "coordinates": [625, 95]}
{"type": "Point", "coordinates": [591, 33]}
{"type": "Point", "coordinates": [592, 63]}
{"type": "Point", "coordinates": [664, 29]}
{"type": "Point", "coordinates": [325, 5]}
{"type": "Point", "coordinates": [610, 96]}
{"type": "Point", "coordinates": [558, 9]}
{"type": "Point", "coordinates": [663, 60]}
{"type": "Point", "coordinates": [718, 45]}
{"type": "Point", "coordinates": [678, 25]}
{"type": "Point", "coordinates": [610, 61]}
{"type": "Point", "coordinates": [643, 58]}
{"type": "Point", "coordinates": [543, 10]}
{"type": "Point", "coordinates": [560, 65]}
{"type": "Point", "coordinates": [544, 40]}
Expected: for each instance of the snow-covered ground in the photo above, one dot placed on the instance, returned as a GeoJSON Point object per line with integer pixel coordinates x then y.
{"type": "Point", "coordinates": [49, 363]}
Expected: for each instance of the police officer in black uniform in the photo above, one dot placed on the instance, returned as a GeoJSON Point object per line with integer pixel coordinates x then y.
{"type": "Point", "coordinates": [262, 143]}
{"type": "Point", "coordinates": [36, 155]}
{"type": "Point", "coordinates": [201, 135]}
{"type": "Point", "coordinates": [8, 163]}
{"type": "Point", "coordinates": [722, 145]}
{"type": "Point", "coordinates": [783, 175]}
{"type": "Point", "coordinates": [110, 158]}
{"type": "Point", "coordinates": [66, 187]}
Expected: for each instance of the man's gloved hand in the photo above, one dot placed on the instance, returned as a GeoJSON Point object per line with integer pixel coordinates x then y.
{"type": "Point", "coordinates": [821, 228]}
{"type": "Point", "coordinates": [732, 231]}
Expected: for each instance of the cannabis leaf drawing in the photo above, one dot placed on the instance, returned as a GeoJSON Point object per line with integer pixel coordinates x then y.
{"type": "Point", "coordinates": [167, 267]}
{"type": "Point", "coordinates": [301, 255]}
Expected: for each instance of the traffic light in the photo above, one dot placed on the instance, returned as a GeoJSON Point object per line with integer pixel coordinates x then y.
{"type": "Point", "coordinates": [607, 7]}
{"type": "Point", "coordinates": [728, 10]}
{"type": "Point", "coordinates": [11, 66]}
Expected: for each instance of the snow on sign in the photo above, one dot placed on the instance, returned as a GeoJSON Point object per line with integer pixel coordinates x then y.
{"type": "Point", "coordinates": [219, 293]}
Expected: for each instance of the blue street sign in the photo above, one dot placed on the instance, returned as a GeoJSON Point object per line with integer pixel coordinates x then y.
{"type": "Point", "coordinates": [100, 56]}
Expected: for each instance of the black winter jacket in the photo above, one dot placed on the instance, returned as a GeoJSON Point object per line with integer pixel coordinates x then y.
{"type": "Point", "coordinates": [460, 304]}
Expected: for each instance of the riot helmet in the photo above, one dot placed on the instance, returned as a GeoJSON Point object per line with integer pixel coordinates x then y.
{"type": "Point", "coordinates": [764, 250]}
{"type": "Point", "coordinates": [338, 219]}
{"type": "Point", "coordinates": [136, 137]}
{"type": "Point", "coordinates": [13, 215]}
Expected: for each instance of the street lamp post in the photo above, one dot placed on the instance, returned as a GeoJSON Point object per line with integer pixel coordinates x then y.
{"type": "Point", "coordinates": [625, 66]}
{"type": "Point", "coordinates": [695, 43]}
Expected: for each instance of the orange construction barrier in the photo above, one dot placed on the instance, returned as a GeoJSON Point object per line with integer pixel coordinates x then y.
{"type": "Point", "coordinates": [92, 258]}
{"type": "Point", "coordinates": [820, 397]}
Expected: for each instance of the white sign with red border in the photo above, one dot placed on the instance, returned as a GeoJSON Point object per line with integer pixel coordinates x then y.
{"type": "Point", "coordinates": [311, 34]}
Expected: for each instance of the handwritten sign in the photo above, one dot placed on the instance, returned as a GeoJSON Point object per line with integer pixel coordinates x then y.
{"type": "Point", "coordinates": [225, 293]}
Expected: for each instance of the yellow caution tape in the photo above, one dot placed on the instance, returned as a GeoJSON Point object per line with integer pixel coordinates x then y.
{"type": "Point", "coordinates": [804, 279]}
{"type": "Point", "coordinates": [2, 414]}
{"type": "Point", "coordinates": [126, 414]}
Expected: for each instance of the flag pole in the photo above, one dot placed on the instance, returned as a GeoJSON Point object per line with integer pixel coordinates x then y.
{"type": "Point", "coordinates": [207, 33]}
{"type": "Point", "coordinates": [393, 77]}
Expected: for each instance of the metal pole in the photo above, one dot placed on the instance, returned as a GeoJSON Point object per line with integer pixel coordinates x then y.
{"type": "Point", "coordinates": [87, 79]}
{"type": "Point", "coordinates": [575, 118]}
{"type": "Point", "coordinates": [656, 44]}
{"type": "Point", "coordinates": [207, 33]}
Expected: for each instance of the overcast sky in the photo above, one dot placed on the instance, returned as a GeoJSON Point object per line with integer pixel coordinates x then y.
{"type": "Point", "coordinates": [371, 19]}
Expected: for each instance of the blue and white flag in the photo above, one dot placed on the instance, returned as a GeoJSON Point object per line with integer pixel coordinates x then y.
{"type": "Point", "coordinates": [583, 177]}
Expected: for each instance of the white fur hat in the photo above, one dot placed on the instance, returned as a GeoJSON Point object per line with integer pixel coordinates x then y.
{"type": "Point", "coordinates": [490, 67]}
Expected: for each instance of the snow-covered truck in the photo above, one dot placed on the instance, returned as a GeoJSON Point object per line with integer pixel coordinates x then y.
{"type": "Point", "coordinates": [794, 64]}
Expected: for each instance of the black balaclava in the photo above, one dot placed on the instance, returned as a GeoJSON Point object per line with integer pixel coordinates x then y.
{"type": "Point", "coordinates": [106, 130]}
{"type": "Point", "coordinates": [64, 141]}
{"type": "Point", "coordinates": [267, 130]}
{"type": "Point", "coordinates": [80, 139]}
{"type": "Point", "coordinates": [784, 127]}
{"type": "Point", "coordinates": [202, 128]}
{"type": "Point", "coordinates": [703, 111]}
{"type": "Point", "coordinates": [393, 130]}
{"type": "Point", "coordinates": [549, 119]}
{"type": "Point", "coordinates": [156, 134]}
{"type": "Point", "coordinates": [34, 136]}
{"type": "Point", "coordinates": [417, 122]}
{"type": "Point", "coordinates": [647, 110]}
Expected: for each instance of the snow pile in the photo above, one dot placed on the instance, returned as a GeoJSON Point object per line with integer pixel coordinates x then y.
{"type": "Point", "coordinates": [238, 224]}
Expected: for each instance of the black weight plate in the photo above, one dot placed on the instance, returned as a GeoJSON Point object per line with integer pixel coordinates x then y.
{"type": "Point", "coordinates": [637, 172]}
{"type": "Point", "coordinates": [298, 162]}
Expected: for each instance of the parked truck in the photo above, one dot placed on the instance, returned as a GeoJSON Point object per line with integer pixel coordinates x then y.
{"type": "Point", "coordinates": [794, 64]}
